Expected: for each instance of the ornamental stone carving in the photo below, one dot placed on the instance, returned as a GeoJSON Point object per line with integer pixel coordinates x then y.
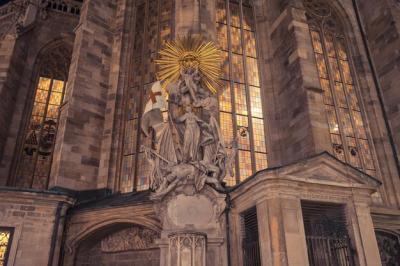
{"type": "Point", "coordinates": [134, 238]}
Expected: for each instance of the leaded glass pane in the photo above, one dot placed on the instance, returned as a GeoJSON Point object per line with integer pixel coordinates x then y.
{"type": "Point", "coordinates": [236, 40]}
{"type": "Point", "coordinates": [225, 98]}
{"type": "Point", "coordinates": [152, 28]}
{"type": "Point", "coordinates": [6, 235]}
{"type": "Point", "coordinates": [250, 43]}
{"type": "Point", "coordinates": [258, 135]}
{"type": "Point", "coordinates": [235, 14]}
{"type": "Point", "coordinates": [34, 165]}
{"type": "Point", "coordinates": [240, 99]}
{"type": "Point", "coordinates": [255, 102]}
{"type": "Point", "coordinates": [261, 161]}
{"type": "Point", "coordinates": [222, 36]}
{"type": "Point", "coordinates": [237, 68]}
{"type": "Point", "coordinates": [243, 132]}
{"type": "Point", "coordinates": [225, 65]}
{"type": "Point", "coordinates": [245, 167]}
{"type": "Point", "coordinates": [221, 11]}
{"type": "Point", "coordinates": [226, 126]}
{"type": "Point", "coordinates": [340, 96]}
{"type": "Point", "coordinates": [252, 71]}
{"type": "Point", "coordinates": [245, 108]}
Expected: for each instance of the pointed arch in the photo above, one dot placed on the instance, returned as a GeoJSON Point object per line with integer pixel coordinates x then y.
{"type": "Point", "coordinates": [34, 157]}
{"type": "Point", "coordinates": [346, 120]}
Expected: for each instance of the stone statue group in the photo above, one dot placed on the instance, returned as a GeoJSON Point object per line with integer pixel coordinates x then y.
{"type": "Point", "coordinates": [188, 147]}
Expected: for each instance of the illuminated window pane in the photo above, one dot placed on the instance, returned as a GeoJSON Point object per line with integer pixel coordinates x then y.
{"type": "Point", "coordinates": [235, 14]}
{"type": "Point", "coordinates": [258, 135]}
{"type": "Point", "coordinates": [323, 73]}
{"type": "Point", "coordinates": [346, 71]}
{"type": "Point", "coordinates": [255, 102]}
{"type": "Point", "coordinates": [245, 164]}
{"type": "Point", "coordinates": [236, 40]}
{"type": "Point", "coordinates": [245, 108]}
{"type": "Point", "coordinates": [335, 69]}
{"type": "Point", "coordinates": [325, 85]}
{"type": "Point", "coordinates": [261, 161]}
{"type": "Point", "coordinates": [316, 40]}
{"type": "Point", "coordinates": [352, 97]}
{"type": "Point", "coordinates": [243, 132]}
{"type": "Point", "coordinates": [221, 11]}
{"type": "Point", "coordinates": [6, 235]}
{"type": "Point", "coordinates": [240, 99]}
{"type": "Point", "coordinates": [346, 121]}
{"type": "Point", "coordinates": [250, 43]}
{"type": "Point", "coordinates": [329, 46]}
{"type": "Point", "coordinates": [226, 125]}
{"type": "Point", "coordinates": [252, 71]}
{"type": "Point", "coordinates": [34, 165]}
{"type": "Point", "coordinates": [237, 68]}
{"type": "Point", "coordinates": [332, 120]}
{"type": "Point", "coordinates": [346, 125]}
{"type": "Point", "coordinates": [248, 18]}
{"type": "Point", "coordinates": [341, 98]}
{"type": "Point", "coordinates": [225, 98]}
{"type": "Point", "coordinates": [222, 35]}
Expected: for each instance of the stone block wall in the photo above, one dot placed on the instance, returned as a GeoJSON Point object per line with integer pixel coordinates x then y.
{"type": "Point", "coordinates": [33, 217]}
{"type": "Point", "coordinates": [381, 21]}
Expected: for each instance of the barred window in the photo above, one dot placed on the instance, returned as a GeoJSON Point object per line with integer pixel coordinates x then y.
{"type": "Point", "coordinates": [151, 28]}
{"type": "Point", "coordinates": [344, 116]}
{"type": "Point", "coordinates": [241, 112]}
{"type": "Point", "coordinates": [6, 235]}
{"type": "Point", "coordinates": [35, 158]}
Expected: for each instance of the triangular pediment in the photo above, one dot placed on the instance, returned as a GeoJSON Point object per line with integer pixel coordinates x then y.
{"type": "Point", "coordinates": [325, 168]}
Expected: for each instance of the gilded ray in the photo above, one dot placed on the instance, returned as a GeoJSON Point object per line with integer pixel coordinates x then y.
{"type": "Point", "coordinates": [186, 53]}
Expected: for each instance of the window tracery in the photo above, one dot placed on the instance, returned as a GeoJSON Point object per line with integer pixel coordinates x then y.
{"type": "Point", "coordinates": [346, 124]}
{"type": "Point", "coordinates": [34, 163]}
{"type": "Point", "coordinates": [241, 113]}
{"type": "Point", "coordinates": [152, 27]}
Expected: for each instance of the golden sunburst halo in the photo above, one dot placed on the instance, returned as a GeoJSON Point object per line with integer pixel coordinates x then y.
{"type": "Point", "coordinates": [188, 52]}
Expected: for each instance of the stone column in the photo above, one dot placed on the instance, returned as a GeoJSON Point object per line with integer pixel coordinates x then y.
{"type": "Point", "coordinates": [79, 139]}
{"type": "Point", "coordinates": [299, 127]}
{"type": "Point", "coordinates": [366, 246]}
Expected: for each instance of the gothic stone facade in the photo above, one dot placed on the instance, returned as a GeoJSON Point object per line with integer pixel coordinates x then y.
{"type": "Point", "coordinates": [74, 76]}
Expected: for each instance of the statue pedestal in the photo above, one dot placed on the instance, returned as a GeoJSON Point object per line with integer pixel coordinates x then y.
{"type": "Point", "coordinates": [193, 227]}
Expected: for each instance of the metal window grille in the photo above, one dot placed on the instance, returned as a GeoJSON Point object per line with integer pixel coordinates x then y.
{"type": "Point", "coordinates": [328, 241]}
{"type": "Point", "coordinates": [250, 243]}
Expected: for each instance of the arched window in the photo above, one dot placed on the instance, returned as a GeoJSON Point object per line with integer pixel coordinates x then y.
{"type": "Point", "coordinates": [241, 112]}
{"type": "Point", "coordinates": [347, 129]}
{"type": "Point", "coordinates": [151, 28]}
{"type": "Point", "coordinates": [389, 247]}
{"type": "Point", "coordinates": [34, 161]}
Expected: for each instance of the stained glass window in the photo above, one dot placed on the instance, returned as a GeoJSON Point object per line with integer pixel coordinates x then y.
{"type": "Point", "coordinates": [151, 28]}
{"type": "Point", "coordinates": [35, 158]}
{"type": "Point", "coordinates": [240, 105]}
{"type": "Point", "coordinates": [6, 235]}
{"type": "Point", "coordinates": [346, 124]}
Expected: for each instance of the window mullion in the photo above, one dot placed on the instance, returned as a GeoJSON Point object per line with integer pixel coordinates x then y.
{"type": "Point", "coordinates": [232, 88]}
{"type": "Point", "coordinates": [334, 96]}
{"type": "Point", "coordinates": [247, 90]}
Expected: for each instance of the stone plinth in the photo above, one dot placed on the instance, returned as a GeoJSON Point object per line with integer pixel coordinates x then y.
{"type": "Point", "coordinates": [193, 227]}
